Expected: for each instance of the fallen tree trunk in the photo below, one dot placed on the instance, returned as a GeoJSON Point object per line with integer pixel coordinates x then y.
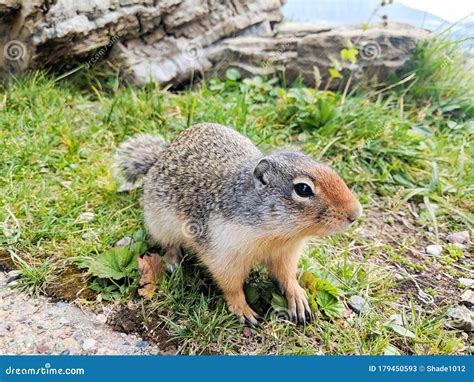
{"type": "Point", "coordinates": [169, 41]}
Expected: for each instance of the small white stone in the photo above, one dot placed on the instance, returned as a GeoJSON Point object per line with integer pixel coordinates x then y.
{"type": "Point", "coordinates": [102, 318]}
{"type": "Point", "coordinates": [467, 298]}
{"type": "Point", "coordinates": [434, 249]}
{"type": "Point", "coordinates": [124, 242]}
{"type": "Point", "coordinates": [13, 275]}
{"type": "Point", "coordinates": [460, 318]}
{"type": "Point", "coordinates": [88, 344]}
{"type": "Point", "coordinates": [85, 217]}
{"type": "Point", "coordinates": [358, 304]}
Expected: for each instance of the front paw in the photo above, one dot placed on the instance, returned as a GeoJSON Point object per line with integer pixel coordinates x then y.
{"type": "Point", "coordinates": [298, 305]}
{"type": "Point", "coordinates": [245, 314]}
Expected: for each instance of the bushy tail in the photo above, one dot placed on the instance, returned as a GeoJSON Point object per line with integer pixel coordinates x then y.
{"type": "Point", "coordinates": [136, 156]}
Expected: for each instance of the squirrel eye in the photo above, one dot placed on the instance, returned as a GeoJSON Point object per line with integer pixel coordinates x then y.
{"type": "Point", "coordinates": [303, 190]}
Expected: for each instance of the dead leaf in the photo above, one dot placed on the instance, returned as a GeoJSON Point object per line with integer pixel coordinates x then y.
{"type": "Point", "coordinates": [151, 268]}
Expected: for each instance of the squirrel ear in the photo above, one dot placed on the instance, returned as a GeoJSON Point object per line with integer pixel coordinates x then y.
{"type": "Point", "coordinates": [261, 173]}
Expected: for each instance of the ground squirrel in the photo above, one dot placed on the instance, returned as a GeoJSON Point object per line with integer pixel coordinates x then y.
{"type": "Point", "coordinates": [212, 191]}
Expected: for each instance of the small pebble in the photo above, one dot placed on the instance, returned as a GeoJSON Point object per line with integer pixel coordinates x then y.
{"type": "Point", "coordinates": [399, 277]}
{"type": "Point", "coordinates": [65, 352]}
{"type": "Point", "coordinates": [460, 318]}
{"type": "Point", "coordinates": [142, 344]}
{"type": "Point", "coordinates": [124, 242]}
{"type": "Point", "coordinates": [42, 349]}
{"type": "Point", "coordinates": [85, 217]}
{"type": "Point", "coordinates": [13, 275]}
{"type": "Point", "coordinates": [467, 298]}
{"type": "Point", "coordinates": [434, 249]}
{"type": "Point", "coordinates": [88, 344]}
{"type": "Point", "coordinates": [458, 237]}
{"type": "Point", "coordinates": [358, 304]}
{"type": "Point", "coordinates": [102, 318]}
{"type": "Point", "coordinates": [70, 342]}
{"type": "Point", "coordinates": [247, 332]}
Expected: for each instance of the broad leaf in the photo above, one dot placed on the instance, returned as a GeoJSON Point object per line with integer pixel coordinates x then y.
{"type": "Point", "coordinates": [329, 304]}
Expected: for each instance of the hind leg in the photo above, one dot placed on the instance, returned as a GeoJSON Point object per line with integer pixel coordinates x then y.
{"type": "Point", "coordinates": [172, 257]}
{"type": "Point", "coordinates": [165, 231]}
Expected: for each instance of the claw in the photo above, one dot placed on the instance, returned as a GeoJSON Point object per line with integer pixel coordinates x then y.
{"type": "Point", "coordinates": [308, 316]}
{"type": "Point", "coordinates": [253, 324]}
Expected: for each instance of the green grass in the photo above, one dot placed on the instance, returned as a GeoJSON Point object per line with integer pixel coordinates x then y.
{"type": "Point", "coordinates": [407, 149]}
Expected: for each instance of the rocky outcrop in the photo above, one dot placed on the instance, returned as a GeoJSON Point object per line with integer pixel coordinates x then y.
{"type": "Point", "coordinates": [39, 33]}
{"type": "Point", "coordinates": [170, 41]}
{"type": "Point", "coordinates": [296, 49]}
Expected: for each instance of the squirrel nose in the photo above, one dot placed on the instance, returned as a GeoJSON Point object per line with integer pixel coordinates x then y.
{"type": "Point", "coordinates": [354, 213]}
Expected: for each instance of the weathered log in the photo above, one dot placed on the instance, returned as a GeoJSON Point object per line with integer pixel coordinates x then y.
{"type": "Point", "coordinates": [169, 41]}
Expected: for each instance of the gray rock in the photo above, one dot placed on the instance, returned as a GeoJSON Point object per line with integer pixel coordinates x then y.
{"type": "Point", "coordinates": [102, 318]}
{"type": "Point", "coordinates": [85, 217]}
{"type": "Point", "coordinates": [466, 283]}
{"type": "Point", "coordinates": [13, 275]}
{"type": "Point", "coordinates": [434, 249]}
{"type": "Point", "coordinates": [460, 317]}
{"type": "Point", "coordinates": [467, 298]}
{"type": "Point", "coordinates": [296, 50]}
{"type": "Point", "coordinates": [89, 344]}
{"type": "Point", "coordinates": [358, 304]}
{"type": "Point", "coordinates": [458, 237]}
{"type": "Point", "coordinates": [124, 242]}
{"type": "Point", "coordinates": [142, 344]}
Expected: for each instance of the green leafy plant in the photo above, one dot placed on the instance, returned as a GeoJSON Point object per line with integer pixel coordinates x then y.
{"type": "Point", "coordinates": [306, 108]}
{"type": "Point", "coordinates": [117, 263]}
{"type": "Point", "coordinates": [322, 294]}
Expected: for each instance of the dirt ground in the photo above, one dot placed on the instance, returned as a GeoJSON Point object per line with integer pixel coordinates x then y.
{"type": "Point", "coordinates": [56, 325]}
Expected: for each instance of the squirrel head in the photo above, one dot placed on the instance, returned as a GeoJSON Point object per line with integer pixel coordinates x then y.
{"type": "Point", "coordinates": [304, 196]}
